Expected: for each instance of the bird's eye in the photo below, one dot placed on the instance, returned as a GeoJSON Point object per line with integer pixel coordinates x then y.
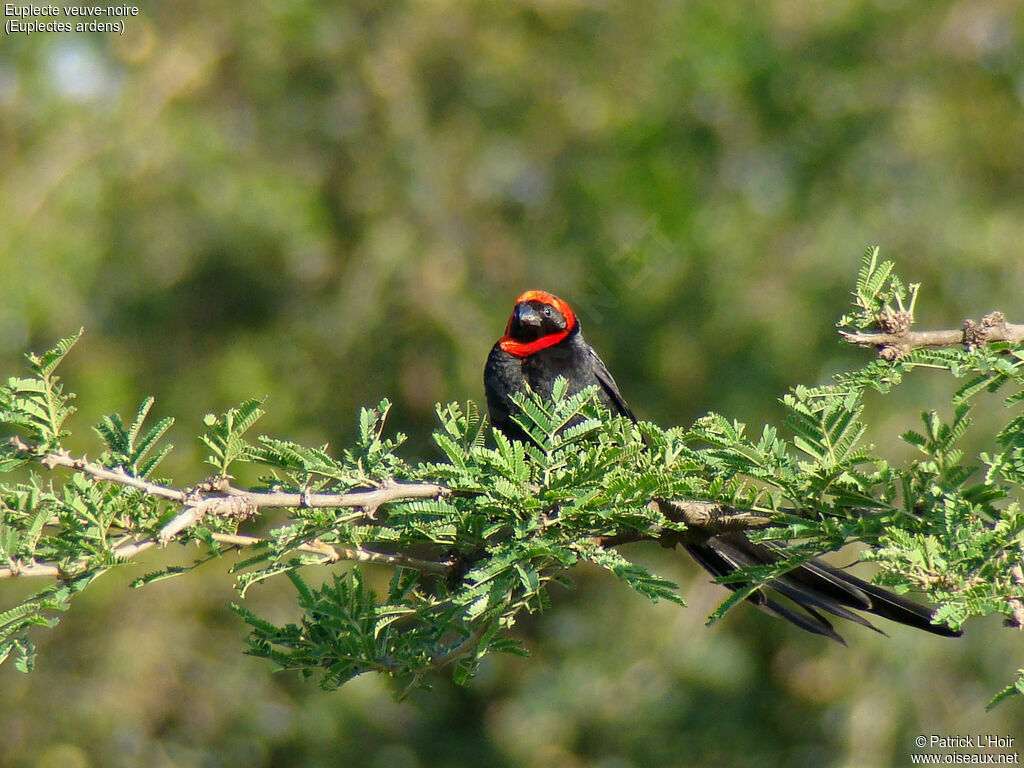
{"type": "Point", "coordinates": [547, 311]}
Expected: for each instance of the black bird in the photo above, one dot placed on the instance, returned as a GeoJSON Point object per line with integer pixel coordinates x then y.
{"type": "Point", "coordinates": [543, 341]}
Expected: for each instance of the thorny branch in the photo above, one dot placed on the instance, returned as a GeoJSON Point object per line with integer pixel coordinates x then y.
{"type": "Point", "coordinates": [217, 498]}
{"type": "Point", "coordinates": [897, 343]}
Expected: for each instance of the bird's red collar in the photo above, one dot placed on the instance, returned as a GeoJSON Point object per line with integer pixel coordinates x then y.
{"type": "Point", "coordinates": [527, 348]}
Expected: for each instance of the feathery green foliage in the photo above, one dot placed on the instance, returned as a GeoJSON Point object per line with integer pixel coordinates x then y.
{"type": "Point", "coordinates": [409, 585]}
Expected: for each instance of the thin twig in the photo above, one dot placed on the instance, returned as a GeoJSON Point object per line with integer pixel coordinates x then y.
{"type": "Point", "coordinates": [119, 476]}
{"type": "Point", "coordinates": [333, 554]}
{"type": "Point", "coordinates": [29, 569]}
{"type": "Point", "coordinates": [624, 537]}
{"type": "Point", "coordinates": [891, 346]}
{"type": "Point", "coordinates": [368, 500]}
{"type": "Point", "coordinates": [124, 551]}
{"type": "Point", "coordinates": [461, 649]}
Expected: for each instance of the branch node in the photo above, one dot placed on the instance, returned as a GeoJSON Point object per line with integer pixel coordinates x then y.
{"type": "Point", "coordinates": [19, 445]}
{"type": "Point", "coordinates": [895, 322]}
{"type": "Point", "coordinates": [974, 334]}
{"type": "Point", "coordinates": [994, 320]}
{"type": "Point", "coordinates": [325, 549]}
{"type": "Point", "coordinates": [53, 460]}
{"type": "Point", "coordinates": [892, 352]}
{"type": "Point", "coordinates": [231, 507]}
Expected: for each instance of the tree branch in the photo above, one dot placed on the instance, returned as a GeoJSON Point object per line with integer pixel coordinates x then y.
{"type": "Point", "coordinates": [216, 498]}
{"type": "Point", "coordinates": [705, 516]}
{"type": "Point", "coordinates": [710, 516]}
{"type": "Point", "coordinates": [119, 476]}
{"type": "Point", "coordinates": [891, 346]}
{"type": "Point", "coordinates": [124, 551]}
{"type": "Point", "coordinates": [333, 554]}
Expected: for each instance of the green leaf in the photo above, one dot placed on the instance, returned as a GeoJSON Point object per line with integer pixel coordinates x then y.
{"type": "Point", "coordinates": [224, 435]}
{"type": "Point", "coordinates": [1016, 688]}
{"type": "Point", "coordinates": [45, 364]}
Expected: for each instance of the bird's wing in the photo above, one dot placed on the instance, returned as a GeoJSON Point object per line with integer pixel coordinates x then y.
{"type": "Point", "coordinates": [604, 378]}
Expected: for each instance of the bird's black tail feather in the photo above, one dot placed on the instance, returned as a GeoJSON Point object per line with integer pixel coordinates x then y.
{"type": "Point", "coordinates": [814, 587]}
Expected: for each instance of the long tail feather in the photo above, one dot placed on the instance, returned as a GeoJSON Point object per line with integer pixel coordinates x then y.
{"type": "Point", "coordinates": [812, 587]}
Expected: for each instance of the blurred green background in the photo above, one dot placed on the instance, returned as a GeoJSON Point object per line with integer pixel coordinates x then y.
{"type": "Point", "coordinates": [325, 203]}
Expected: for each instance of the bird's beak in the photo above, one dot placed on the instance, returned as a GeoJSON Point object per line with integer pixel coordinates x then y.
{"type": "Point", "coordinates": [527, 316]}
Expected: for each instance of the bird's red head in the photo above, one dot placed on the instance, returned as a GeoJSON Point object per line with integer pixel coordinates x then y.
{"type": "Point", "coordinates": [539, 320]}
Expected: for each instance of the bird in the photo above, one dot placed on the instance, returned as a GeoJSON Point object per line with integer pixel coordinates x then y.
{"type": "Point", "coordinates": [543, 340]}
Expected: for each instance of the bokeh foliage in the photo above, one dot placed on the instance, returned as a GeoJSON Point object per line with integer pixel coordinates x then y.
{"type": "Point", "coordinates": [327, 203]}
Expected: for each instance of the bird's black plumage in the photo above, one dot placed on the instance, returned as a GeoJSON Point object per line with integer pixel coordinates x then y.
{"type": "Point", "coordinates": [543, 341]}
{"type": "Point", "coordinates": [518, 360]}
